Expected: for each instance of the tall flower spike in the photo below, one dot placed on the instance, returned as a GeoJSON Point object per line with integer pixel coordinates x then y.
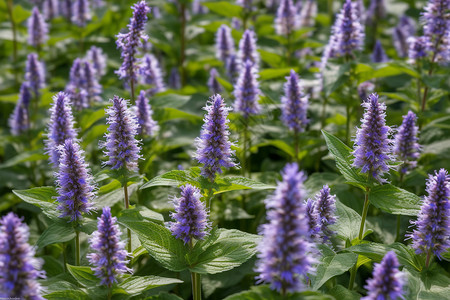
{"type": "Point", "coordinates": [406, 145]}
{"type": "Point", "coordinates": [151, 74]}
{"type": "Point", "coordinates": [246, 91]}
{"type": "Point", "coordinates": [294, 104]}
{"type": "Point", "coordinates": [191, 217]}
{"type": "Point", "coordinates": [308, 13]}
{"type": "Point", "coordinates": [372, 144]}
{"type": "Point", "coordinates": [247, 48]}
{"type": "Point", "coordinates": [404, 29]}
{"type": "Point", "coordinates": [60, 126]}
{"type": "Point", "coordinates": [122, 148]}
{"type": "Point", "coordinates": [378, 54]}
{"type": "Point", "coordinates": [313, 220]}
{"type": "Point", "coordinates": [325, 208]}
{"type": "Point", "coordinates": [35, 73]}
{"type": "Point", "coordinates": [285, 249]}
{"type": "Point", "coordinates": [174, 79]}
{"type": "Point", "coordinates": [437, 28]}
{"type": "Point", "coordinates": [224, 43]}
{"type": "Point", "coordinates": [213, 145]}
{"type": "Point", "coordinates": [418, 48]}
{"type": "Point", "coordinates": [376, 11]}
{"type": "Point", "coordinates": [97, 58]}
{"type": "Point", "coordinates": [75, 88]}
{"type": "Point", "coordinates": [286, 20]}
{"type": "Point", "coordinates": [75, 183]}
{"type": "Point", "coordinates": [81, 12]}
{"type": "Point", "coordinates": [110, 255]}
{"type": "Point", "coordinates": [387, 281]}
{"type": "Point", "coordinates": [129, 42]}
{"type": "Point", "coordinates": [213, 84]}
{"type": "Point", "coordinates": [37, 29]}
{"type": "Point", "coordinates": [50, 9]}
{"type": "Point", "coordinates": [19, 269]}
{"type": "Point", "coordinates": [232, 67]}
{"type": "Point", "coordinates": [144, 112]}
{"type": "Point", "coordinates": [432, 233]}
{"type": "Point", "coordinates": [19, 121]}
{"type": "Point", "coordinates": [198, 8]}
{"type": "Point", "coordinates": [91, 86]}
{"type": "Point", "coordinates": [65, 8]}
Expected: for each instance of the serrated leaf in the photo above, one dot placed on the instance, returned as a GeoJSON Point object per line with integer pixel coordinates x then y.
{"type": "Point", "coordinates": [263, 292]}
{"type": "Point", "coordinates": [174, 178]}
{"type": "Point", "coordinates": [233, 183]}
{"type": "Point", "coordinates": [84, 275]}
{"type": "Point", "coordinates": [169, 251]}
{"type": "Point", "coordinates": [334, 76]}
{"type": "Point", "coordinates": [42, 197]}
{"type": "Point", "coordinates": [58, 232]}
{"type": "Point", "coordinates": [341, 292]}
{"type": "Point", "coordinates": [223, 8]}
{"type": "Point", "coordinates": [67, 294]}
{"type": "Point", "coordinates": [137, 284]}
{"type": "Point", "coordinates": [348, 222]}
{"type": "Point", "coordinates": [343, 157]}
{"type": "Point", "coordinates": [141, 213]}
{"type": "Point", "coordinates": [395, 200]}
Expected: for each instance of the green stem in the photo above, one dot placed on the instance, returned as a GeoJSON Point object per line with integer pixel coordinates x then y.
{"type": "Point", "coordinates": [427, 262]}
{"type": "Point", "coordinates": [183, 42]}
{"type": "Point", "coordinates": [13, 28]}
{"type": "Point", "coordinates": [208, 199]}
{"type": "Point", "coordinates": [196, 280]}
{"type": "Point", "coordinates": [425, 93]}
{"type": "Point", "coordinates": [245, 157]}
{"type": "Point", "coordinates": [77, 248]}
{"type": "Point", "coordinates": [127, 206]}
{"type": "Point", "coordinates": [399, 220]}
{"type": "Point", "coordinates": [296, 147]}
{"type": "Point", "coordinates": [288, 49]}
{"type": "Point", "coordinates": [132, 91]}
{"type": "Point", "coordinates": [64, 246]}
{"type": "Point", "coordinates": [323, 114]}
{"type": "Point", "coordinates": [353, 276]}
{"type": "Point", "coordinates": [347, 134]}
{"type": "Point", "coordinates": [419, 70]}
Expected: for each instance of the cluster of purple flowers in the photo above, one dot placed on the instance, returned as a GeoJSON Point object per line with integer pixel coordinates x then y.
{"type": "Point", "coordinates": [19, 121]}
{"type": "Point", "coordinates": [404, 30]}
{"type": "Point", "coordinates": [224, 43]}
{"type": "Point", "coordinates": [406, 146]}
{"type": "Point", "coordinates": [146, 124]}
{"type": "Point", "coordinates": [35, 73]}
{"type": "Point", "coordinates": [37, 29]}
{"type": "Point", "coordinates": [378, 54]}
{"type": "Point", "coordinates": [246, 91]}
{"type": "Point", "coordinates": [294, 104]}
{"type": "Point", "coordinates": [287, 19]}
{"type": "Point", "coordinates": [81, 12]}
{"type": "Point", "coordinates": [247, 49]}
{"type": "Point", "coordinates": [151, 74]}
{"type": "Point", "coordinates": [83, 88]}
{"type": "Point", "coordinates": [213, 84]}
{"type": "Point", "coordinates": [97, 58]}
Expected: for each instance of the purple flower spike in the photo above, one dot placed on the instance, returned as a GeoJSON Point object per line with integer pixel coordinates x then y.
{"type": "Point", "coordinates": [81, 13]}
{"type": "Point", "coordinates": [286, 20]}
{"type": "Point", "coordinates": [294, 104]}
{"type": "Point", "coordinates": [418, 47]}
{"type": "Point", "coordinates": [83, 87]}
{"type": "Point", "coordinates": [97, 58]}
{"type": "Point", "coordinates": [174, 79]}
{"type": "Point", "coordinates": [247, 48]}
{"type": "Point", "coordinates": [387, 281]}
{"type": "Point", "coordinates": [146, 124]}
{"type": "Point", "coordinates": [75, 183]}
{"type": "Point", "coordinates": [376, 11]}
{"type": "Point", "coordinates": [378, 54]}
{"type": "Point", "coordinates": [364, 89]}
{"type": "Point", "coordinates": [405, 28]}
{"type": "Point", "coordinates": [246, 91]}
{"type": "Point", "coordinates": [285, 249]}
{"type": "Point", "coordinates": [436, 28]}
{"type": "Point", "coordinates": [19, 121]}
{"type": "Point", "coordinates": [191, 217]}
{"type": "Point", "coordinates": [308, 13]}
{"type": "Point", "coordinates": [433, 223]}
{"type": "Point", "coordinates": [151, 74]}
{"type": "Point", "coordinates": [406, 145]}
{"type": "Point", "coordinates": [198, 8]}
{"type": "Point", "coordinates": [61, 126]}
{"type": "Point", "coordinates": [35, 73]}
{"type": "Point", "coordinates": [232, 67]}
{"type": "Point", "coordinates": [37, 29]}
{"type": "Point", "coordinates": [110, 255]}
{"type": "Point", "coordinates": [19, 269]}
{"type": "Point", "coordinates": [313, 220]}
{"type": "Point", "coordinates": [213, 84]}
{"type": "Point", "coordinates": [91, 85]}
{"type": "Point", "coordinates": [65, 8]}
{"type": "Point", "coordinates": [129, 42]}
{"type": "Point", "coordinates": [50, 9]}
{"type": "Point", "coordinates": [325, 209]}
{"type": "Point", "coordinates": [122, 148]}
{"type": "Point", "coordinates": [213, 145]}
{"type": "Point", "coordinates": [372, 143]}
{"type": "Point", "coordinates": [224, 43]}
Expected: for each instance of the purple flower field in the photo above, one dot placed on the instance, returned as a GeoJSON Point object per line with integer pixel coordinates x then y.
{"type": "Point", "coordinates": [225, 149]}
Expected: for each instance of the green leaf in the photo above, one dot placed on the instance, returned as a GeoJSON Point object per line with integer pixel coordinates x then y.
{"type": "Point", "coordinates": [341, 292]}
{"type": "Point", "coordinates": [141, 213]}
{"type": "Point", "coordinates": [137, 284]}
{"type": "Point", "coordinates": [174, 178]}
{"type": "Point", "coordinates": [431, 284]}
{"type": "Point", "coordinates": [343, 157]}
{"type": "Point", "coordinates": [280, 144]}
{"type": "Point", "coordinates": [88, 118]}
{"type": "Point", "coordinates": [164, 296]}
{"type": "Point", "coordinates": [395, 200]}
{"type": "Point", "coordinates": [42, 197]}
{"type": "Point", "coordinates": [58, 232]}
{"type": "Point", "coordinates": [263, 292]}
{"type": "Point", "coordinates": [223, 8]}
{"type": "Point", "coordinates": [67, 294]}
{"type": "Point", "coordinates": [223, 250]}
{"type": "Point", "coordinates": [332, 265]}
{"type": "Point", "coordinates": [267, 74]}
{"type": "Point", "coordinates": [22, 157]}
{"type": "Point", "coordinates": [233, 183]}
{"type": "Point", "coordinates": [169, 251]}
{"type": "Point", "coordinates": [334, 76]}
{"type": "Point", "coordinates": [348, 222]}
{"type": "Point", "coordinates": [84, 275]}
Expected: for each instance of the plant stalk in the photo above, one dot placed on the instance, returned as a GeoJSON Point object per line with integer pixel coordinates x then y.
{"type": "Point", "coordinates": [127, 206]}
{"type": "Point", "coordinates": [77, 248]}
{"type": "Point", "coordinates": [196, 280]}
{"type": "Point", "coordinates": [347, 133]}
{"type": "Point", "coordinates": [425, 92]}
{"type": "Point", "coordinates": [427, 262]}
{"type": "Point", "coordinates": [296, 147]}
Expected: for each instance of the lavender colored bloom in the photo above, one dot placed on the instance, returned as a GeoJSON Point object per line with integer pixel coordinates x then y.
{"type": "Point", "coordinates": [247, 48]}
{"type": "Point", "coordinates": [191, 217]}
{"type": "Point", "coordinates": [81, 13]}
{"type": "Point", "coordinates": [19, 121]}
{"type": "Point", "coordinates": [286, 20]}
{"type": "Point", "coordinates": [313, 220]}
{"type": "Point", "coordinates": [361, 10]}
{"type": "Point", "coordinates": [372, 143]}
{"type": "Point", "coordinates": [378, 54]}
{"type": "Point", "coordinates": [91, 85]}
{"type": "Point", "coordinates": [404, 29]}
{"type": "Point", "coordinates": [224, 43]}
{"type": "Point", "coordinates": [294, 104]}
{"type": "Point", "coordinates": [60, 126]}
{"type": "Point", "coordinates": [151, 74]}
{"type": "Point", "coordinates": [83, 87]}
{"type": "Point", "coordinates": [246, 91]}
{"type": "Point", "coordinates": [364, 89]}
{"type": "Point", "coordinates": [213, 84]}
{"type": "Point", "coordinates": [236, 23]}
{"type": "Point", "coordinates": [376, 11]}
{"type": "Point", "coordinates": [213, 145]}
{"type": "Point", "coordinates": [436, 28]}
{"type": "Point", "coordinates": [232, 67]}
{"type": "Point", "coordinates": [97, 58]}
{"type": "Point", "coordinates": [387, 281]}
{"type": "Point", "coordinates": [198, 8]}
{"type": "Point", "coordinates": [19, 269]}
{"type": "Point", "coordinates": [110, 255]}
{"type": "Point", "coordinates": [37, 29]}
{"type": "Point", "coordinates": [433, 223]}
{"type": "Point", "coordinates": [35, 73]}
{"type": "Point", "coordinates": [129, 42]}
{"type": "Point", "coordinates": [418, 47]}
{"type": "Point", "coordinates": [144, 112]}
{"type": "Point", "coordinates": [308, 13]}
{"type": "Point", "coordinates": [50, 9]}
{"type": "Point", "coordinates": [65, 8]}
{"type": "Point", "coordinates": [406, 145]}
{"type": "Point", "coordinates": [75, 183]}
{"type": "Point", "coordinates": [285, 249]}
{"type": "Point", "coordinates": [325, 209]}
{"type": "Point", "coordinates": [122, 148]}
{"type": "Point", "coordinates": [174, 79]}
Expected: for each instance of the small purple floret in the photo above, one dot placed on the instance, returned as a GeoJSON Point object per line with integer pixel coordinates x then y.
{"type": "Point", "coordinates": [246, 91]}
{"type": "Point", "coordinates": [294, 104]}
{"type": "Point", "coordinates": [406, 145]}
{"type": "Point", "coordinates": [146, 125]}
